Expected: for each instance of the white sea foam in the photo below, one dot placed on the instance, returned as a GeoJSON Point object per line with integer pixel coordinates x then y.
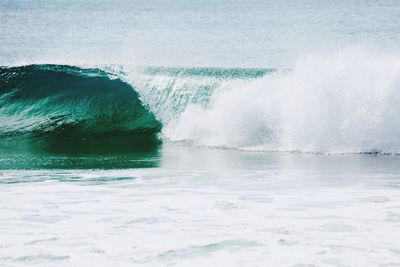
{"type": "Point", "coordinates": [206, 207]}
{"type": "Point", "coordinates": [343, 103]}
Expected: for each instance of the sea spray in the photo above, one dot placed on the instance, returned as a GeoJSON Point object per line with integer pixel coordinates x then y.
{"type": "Point", "coordinates": [344, 103]}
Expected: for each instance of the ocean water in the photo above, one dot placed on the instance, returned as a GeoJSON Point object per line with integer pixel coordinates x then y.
{"type": "Point", "coordinates": [199, 133]}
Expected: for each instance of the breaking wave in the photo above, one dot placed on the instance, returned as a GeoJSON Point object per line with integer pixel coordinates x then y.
{"type": "Point", "coordinates": [345, 103]}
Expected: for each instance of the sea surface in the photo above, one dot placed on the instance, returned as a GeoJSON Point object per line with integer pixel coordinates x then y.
{"type": "Point", "coordinates": [199, 133]}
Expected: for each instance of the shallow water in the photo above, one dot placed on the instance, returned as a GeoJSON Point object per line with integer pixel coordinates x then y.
{"type": "Point", "coordinates": [211, 207]}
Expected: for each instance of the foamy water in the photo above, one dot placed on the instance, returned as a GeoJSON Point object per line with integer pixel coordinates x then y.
{"type": "Point", "coordinates": [206, 207]}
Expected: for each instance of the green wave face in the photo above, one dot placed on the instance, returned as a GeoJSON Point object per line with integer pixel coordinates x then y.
{"type": "Point", "coordinates": [52, 101]}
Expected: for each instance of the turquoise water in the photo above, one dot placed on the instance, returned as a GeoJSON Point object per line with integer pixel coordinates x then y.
{"type": "Point", "coordinates": [199, 133]}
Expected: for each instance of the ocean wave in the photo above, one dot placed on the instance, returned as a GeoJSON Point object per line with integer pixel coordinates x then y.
{"type": "Point", "coordinates": [342, 103]}
{"type": "Point", "coordinates": [54, 101]}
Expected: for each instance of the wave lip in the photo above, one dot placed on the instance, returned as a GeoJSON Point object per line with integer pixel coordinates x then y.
{"type": "Point", "coordinates": [47, 101]}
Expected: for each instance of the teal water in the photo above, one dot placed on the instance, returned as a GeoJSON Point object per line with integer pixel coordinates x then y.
{"type": "Point", "coordinates": [199, 133]}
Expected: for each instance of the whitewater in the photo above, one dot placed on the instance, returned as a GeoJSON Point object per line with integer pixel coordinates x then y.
{"type": "Point", "coordinates": [199, 133]}
{"type": "Point", "coordinates": [345, 103]}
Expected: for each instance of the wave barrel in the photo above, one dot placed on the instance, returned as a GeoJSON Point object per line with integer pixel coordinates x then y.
{"type": "Point", "coordinates": [52, 102]}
